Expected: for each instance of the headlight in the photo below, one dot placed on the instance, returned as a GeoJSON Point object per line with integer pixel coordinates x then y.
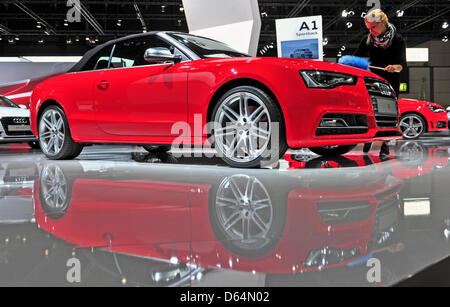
{"type": "Point", "coordinates": [436, 109]}
{"type": "Point", "coordinates": [326, 79]}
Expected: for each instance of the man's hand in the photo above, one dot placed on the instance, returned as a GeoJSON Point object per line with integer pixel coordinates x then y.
{"type": "Point", "coordinates": [394, 68]}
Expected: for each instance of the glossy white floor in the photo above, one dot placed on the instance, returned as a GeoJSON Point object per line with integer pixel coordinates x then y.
{"type": "Point", "coordinates": [132, 218]}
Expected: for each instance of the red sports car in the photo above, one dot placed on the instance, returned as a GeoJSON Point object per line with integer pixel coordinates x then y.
{"type": "Point", "coordinates": [419, 117]}
{"type": "Point", "coordinates": [161, 88]}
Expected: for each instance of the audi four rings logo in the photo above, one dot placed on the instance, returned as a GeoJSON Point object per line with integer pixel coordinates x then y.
{"type": "Point", "coordinates": [20, 120]}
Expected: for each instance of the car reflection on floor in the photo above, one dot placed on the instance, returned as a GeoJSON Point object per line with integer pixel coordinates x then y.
{"type": "Point", "coordinates": [191, 221]}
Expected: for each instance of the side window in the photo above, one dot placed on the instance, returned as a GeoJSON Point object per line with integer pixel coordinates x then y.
{"type": "Point", "coordinates": [130, 53]}
{"type": "Point", "coordinates": [99, 61]}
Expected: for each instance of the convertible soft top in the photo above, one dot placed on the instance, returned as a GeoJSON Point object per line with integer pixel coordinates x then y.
{"type": "Point", "coordinates": [88, 55]}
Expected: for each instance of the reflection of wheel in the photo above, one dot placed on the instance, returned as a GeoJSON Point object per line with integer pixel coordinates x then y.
{"type": "Point", "coordinates": [332, 150]}
{"type": "Point", "coordinates": [34, 145]}
{"type": "Point", "coordinates": [244, 121]}
{"type": "Point", "coordinates": [412, 126]}
{"type": "Point", "coordinates": [411, 153]}
{"type": "Point", "coordinates": [157, 148]}
{"type": "Point", "coordinates": [54, 135]}
{"type": "Point", "coordinates": [54, 191]}
{"type": "Point", "coordinates": [246, 217]}
{"type": "Point", "coordinates": [332, 162]}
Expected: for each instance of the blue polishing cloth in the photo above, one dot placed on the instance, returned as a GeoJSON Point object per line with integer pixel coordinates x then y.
{"type": "Point", "coordinates": [355, 61]}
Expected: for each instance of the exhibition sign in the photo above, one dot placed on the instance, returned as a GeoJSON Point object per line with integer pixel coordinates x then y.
{"type": "Point", "coordinates": [300, 38]}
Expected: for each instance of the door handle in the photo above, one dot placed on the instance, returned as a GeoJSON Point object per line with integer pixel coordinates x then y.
{"type": "Point", "coordinates": [103, 85]}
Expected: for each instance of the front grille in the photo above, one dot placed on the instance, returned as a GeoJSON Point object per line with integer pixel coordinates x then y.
{"type": "Point", "coordinates": [16, 121]}
{"type": "Point", "coordinates": [384, 102]}
{"type": "Point", "coordinates": [342, 124]}
{"type": "Point", "coordinates": [386, 121]}
{"type": "Point", "coordinates": [339, 213]}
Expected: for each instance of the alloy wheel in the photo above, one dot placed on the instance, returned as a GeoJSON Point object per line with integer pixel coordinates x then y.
{"type": "Point", "coordinates": [244, 210]}
{"type": "Point", "coordinates": [52, 132]}
{"type": "Point", "coordinates": [411, 126]}
{"type": "Point", "coordinates": [242, 127]}
{"type": "Point", "coordinates": [53, 188]}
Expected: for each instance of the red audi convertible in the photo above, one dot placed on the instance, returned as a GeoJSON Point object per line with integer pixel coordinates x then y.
{"type": "Point", "coordinates": [161, 88]}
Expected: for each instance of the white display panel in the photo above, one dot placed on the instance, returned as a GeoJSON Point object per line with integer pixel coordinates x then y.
{"type": "Point", "coordinates": [234, 22]}
{"type": "Point", "coordinates": [300, 37]}
{"type": "Point", "coordinates": [417, 55]}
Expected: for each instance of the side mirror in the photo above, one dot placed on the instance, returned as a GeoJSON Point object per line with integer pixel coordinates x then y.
{"type": "Point", "coordinates": [22, 107]}
{"type": "Point", "coordinates": [161, 55]}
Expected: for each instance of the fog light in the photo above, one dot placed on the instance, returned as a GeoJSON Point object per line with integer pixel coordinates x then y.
{"type": "Point", "coordinates": [332, 123]}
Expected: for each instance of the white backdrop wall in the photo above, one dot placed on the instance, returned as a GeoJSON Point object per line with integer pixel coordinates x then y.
{"type": "Point", "coordinates": [234, 22]}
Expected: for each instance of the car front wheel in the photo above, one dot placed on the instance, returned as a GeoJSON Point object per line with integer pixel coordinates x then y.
{"type": "Point", "coordinates": [412, 126]}
{"type": "Point", "coordinates": [246, 121]}
{"type": "Point", "coordinates": [54, 135]}
{"type": "Point", "coordinates": [329, 151]}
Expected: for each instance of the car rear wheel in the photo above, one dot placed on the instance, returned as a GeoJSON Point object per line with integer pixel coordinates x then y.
{"type": "Point", "coordinates": [54, 135]}
{"type": "Point", "coordinates": [245, 123]}
{"type": "Point", "coordinates": [329, 151]}
{"type": "Point", "coordinates": [412, 126]}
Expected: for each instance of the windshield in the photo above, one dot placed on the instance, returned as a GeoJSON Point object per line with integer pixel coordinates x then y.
{"type": "Point", "coordinates": [5, 102]}
{"type": "Point", "coordinates": [207, 48]}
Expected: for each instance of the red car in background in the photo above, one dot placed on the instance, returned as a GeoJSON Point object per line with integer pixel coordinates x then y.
{"type": "Point", "coordinates": [134, 89]}
{"type": "Point", "coordinates": [419, 117]}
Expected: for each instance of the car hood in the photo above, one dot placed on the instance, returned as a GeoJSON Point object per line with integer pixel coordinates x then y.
{"type": "Point", "coordinates": [299, 64]}
{"type": "Point", "coordinates": [13, 112]}
{"type": "Point", "coordinates": [419, 102]}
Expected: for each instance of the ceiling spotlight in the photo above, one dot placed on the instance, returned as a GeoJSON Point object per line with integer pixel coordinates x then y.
{"type": "Point", "coordinates": [77, 39]}
{"type": "Point", "coordinates": [400, 13]}
{"type": "Point", "coordinates": [179, 22]}
{"type": "Point", "coordinates": [119, 22]}
{"type": "Point", "coordinates": [41, 41]}
{"type": "Point", "coordinates": [10, 40]}
{"type": "Point", "coordinates": [66, 24]}
{"type": "Point", "coordinates": [343, 48]}
{"type": "Point", "coordinates": [325, 41]}
{"type": "Point", "coordinates": [88, 38]}
{"type": "Point", "coordinates": [344, 13]}
{"type": "Point", "coordinates": [349, 25]}
{"type": "Point", "coordinates": [144, 30]}
{"type": "Point", "coordinates": [163, 8]}
{"type": "Point", "coordinates": [181, 8]}
{"type": "Point", "coordinates": [38, 25]}
{"type": "Point", "coordinates": [17, 38]}
{"type": "Point", "coordinates": [68, 41]}
{"type": "Point", "coordinates": [445, 39]}
{"type": "Point", "coordinates": [47, 32]}
{"type": "Point", "coordinates": [1, 38]}
{"type": "Point", "coordinates": [445, 25]}
{"type": "Point", "coordinates": [264, 14]}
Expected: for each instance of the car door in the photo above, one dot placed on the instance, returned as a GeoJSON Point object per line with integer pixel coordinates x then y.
{"type": "Point", "coordinates": [137, 98]}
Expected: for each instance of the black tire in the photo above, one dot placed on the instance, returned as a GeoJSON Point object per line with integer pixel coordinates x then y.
{"type": "Point", "coordinates": [34, 145]}
{"type": "Point", "coordinates": [157, 148]}
{"type": "Point", "coordinates": [69, 149]}
{"type": "Point", "coordinates": [275, 116]}
{"type": "Point", "coordinates": [332, 151]}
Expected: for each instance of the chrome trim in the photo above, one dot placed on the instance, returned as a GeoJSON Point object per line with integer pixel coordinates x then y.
{"type": "Point", "coordinates": [178, 45]}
